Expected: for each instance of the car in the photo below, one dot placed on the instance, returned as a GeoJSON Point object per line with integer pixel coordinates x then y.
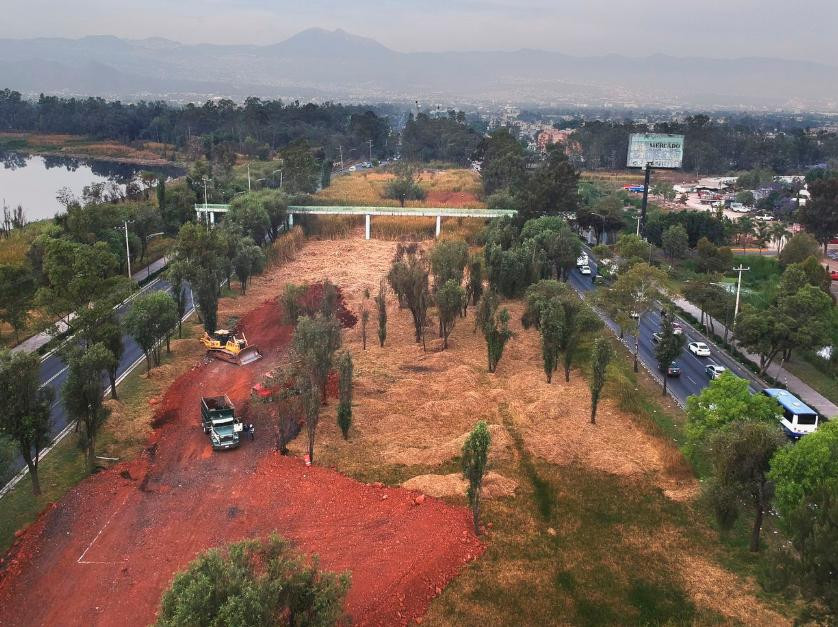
{"type": "Point", "coordinates": [834, 275]}
{"type": "Point", "coordinates": [657, 337]}
{"type": "Point", "coordinates": [699, 349]}
{"type": "Point", "coordinates": [764, 217]}
{"type": "Point", "coordinates": [582, 260]}
{"type": "Point", "coordinates": [634, 315]}
{"type": "Point", "coordinates": [585, 270]}
{"type": "Point", "coordinates": [673, 370]}
{"type": "Point", "coordinates": [714, 370]}
{"type": "Point", "coordinates": [677, 329]}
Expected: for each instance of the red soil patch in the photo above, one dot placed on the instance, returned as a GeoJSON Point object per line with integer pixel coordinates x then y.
{"type": "Point", "coordinates": [104, 554]}
{"type": "Point", "coordinates": [451, 199]}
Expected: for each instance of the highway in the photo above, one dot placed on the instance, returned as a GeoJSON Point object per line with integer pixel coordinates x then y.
{"type": "Point", "coordinates": [693, 378]}
{"type": "Point", "coordinates": [54, 370]}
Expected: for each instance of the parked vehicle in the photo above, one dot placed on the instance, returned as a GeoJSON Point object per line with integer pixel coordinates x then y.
{"type": "Point", "coordinates": [834, 275]}
{"type": "Point", "coordinates": [677, 329]}
{"type": "Point", "coordinates": [582, 260]}
{"type": "Point", "coordinates": [714, 371]}
{"type": "Point", "coordinates": [797, 418]}
{"type": "Point", "coordinates": [218, 418]}
{"type": "Point", "coordinates": [222, 344]}
{"type": "Point", "coordinates": [699, 349]}
{"type": "Point", "coordinates": [586, 270]}
{"type": "Point", "coordinates": [657, 337]}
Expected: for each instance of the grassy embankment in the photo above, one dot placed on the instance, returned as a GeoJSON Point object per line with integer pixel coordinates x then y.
{"type": "Point", "coordinates": [141, 152]}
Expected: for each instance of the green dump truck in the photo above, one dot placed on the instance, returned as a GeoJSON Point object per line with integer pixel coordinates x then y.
{"type": "Point", "coordinates": [218, 418]}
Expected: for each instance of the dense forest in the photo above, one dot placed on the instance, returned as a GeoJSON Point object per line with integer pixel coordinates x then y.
{"type": "Point", "coordinates": [712, 146]}
{"type": "Point", "coordinates": [253, 128]}
{"type": "Point", "coordinates": [448, 139]}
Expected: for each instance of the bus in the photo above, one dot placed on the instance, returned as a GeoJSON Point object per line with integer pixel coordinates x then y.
{"type": "Point", "coordinates": [797, 419]}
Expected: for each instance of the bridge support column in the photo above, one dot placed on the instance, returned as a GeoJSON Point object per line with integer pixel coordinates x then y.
{"type": "Point", "coordinates": [212, 218]}
{"type": "Point", "coordinates": [438, 225]}
{"type": "Point", "coordinates": [367, 227]}
{"type": "Point", "coordinates": [290, 221]}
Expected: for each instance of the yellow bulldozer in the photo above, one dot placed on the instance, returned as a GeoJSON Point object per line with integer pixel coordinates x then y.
{"type": "Point", "coordinates": [226, 346]}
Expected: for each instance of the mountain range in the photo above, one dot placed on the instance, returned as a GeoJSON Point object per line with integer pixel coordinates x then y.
{"type": "Point", "coordinates": [319, 64]}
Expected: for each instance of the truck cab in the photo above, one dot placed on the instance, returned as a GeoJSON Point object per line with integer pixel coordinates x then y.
{"type": "Point", "coordinates": [219, 421]}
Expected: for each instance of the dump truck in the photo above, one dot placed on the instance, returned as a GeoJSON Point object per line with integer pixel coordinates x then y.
{"type": "Point", "coordinates": [218, 418]}
{"type": "Point", "coordinates": [225, 345]}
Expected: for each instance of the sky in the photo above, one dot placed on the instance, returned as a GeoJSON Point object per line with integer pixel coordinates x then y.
{"type": "Point", "coordinates": [805, 29]}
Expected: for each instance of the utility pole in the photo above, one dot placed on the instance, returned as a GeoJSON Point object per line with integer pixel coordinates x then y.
{"type": "Point", "coordinates": [369, 141]}
{"type": "Point", "coordinates": [642, 223]}
{"type": "Point", "coordinates": [740, 270]}
{"type": "Point", "coordinates": [248, 177]}
{"type": "Point", "coordinates": [127, 249]}
{"type": "Point", "coordinates": [341, 157]}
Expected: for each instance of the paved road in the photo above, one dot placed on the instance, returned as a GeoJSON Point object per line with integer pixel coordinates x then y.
{"type": "Point", "coordinates": [54, 370]}
{"type": "Point", "coordinates": [693, 379]}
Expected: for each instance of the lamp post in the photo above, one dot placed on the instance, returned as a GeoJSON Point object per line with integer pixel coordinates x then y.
{"type": "Point", "coordinates": [740, 270]}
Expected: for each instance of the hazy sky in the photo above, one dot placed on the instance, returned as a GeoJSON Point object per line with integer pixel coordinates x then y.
{"type": "Point", "coordinates": [805, 29]}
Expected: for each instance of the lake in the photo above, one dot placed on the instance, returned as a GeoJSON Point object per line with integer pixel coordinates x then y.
{"type": "Point", "coordinates": [33, 181]}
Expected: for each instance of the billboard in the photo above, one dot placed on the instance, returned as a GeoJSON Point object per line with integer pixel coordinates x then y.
{"type": "Point", "coordinates": [661, 151]}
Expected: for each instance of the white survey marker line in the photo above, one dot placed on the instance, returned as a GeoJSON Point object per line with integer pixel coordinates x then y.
{"type": "Point", "coordinates": [25, 470]}
{"type": "Point", "coordinates": [81, 559]}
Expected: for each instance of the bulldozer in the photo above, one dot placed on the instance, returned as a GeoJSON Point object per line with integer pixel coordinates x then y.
{"type": "Point", "coordinates": [224, 345]}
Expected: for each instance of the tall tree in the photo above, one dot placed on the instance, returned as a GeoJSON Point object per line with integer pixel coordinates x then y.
{"type": "Point", "coordinates": [474, 458]}
{"type": "Point", "coordinates": [552, 187]}
{"type": "Point", "coordinates": [82, 394]}
{"type": "Point", "coordinates": [819, 216]}
{"type": "Point", "coordinates": [550, 326]}
{"type": "Point", "coordinates": [381, 306]}
{"type": "Point", "coordinates": [494, 324]}
{"type": "Point", "coordinates": [345, 368]}
{"type": "Point", "coordinates": [669, 347]}
{"type": "Point", "coordinates": [99, 324]}
{"type": "Point", "coordinates": [448, 261]}
{"type": "Point", "coordinates": [601, 356]}
{"type": "Point", "coordinates": [449, 302]}
{"type": "Point", "coordinates": [151, 320]}
{"type": "Point", "coordinates": [17, 287]}
{"type": "Point", "coordinates": [675, 242]}
{"type": "Point", "coordinates": [25, 418]}
{"type": "Point", "coordinates": [741, 455]}
{"type": "Point", "coordinates": [409, 279]}
{"type": "Point", "coordinates": [176, 275]}
{"type": "Point", "coordinates": [475, 279]}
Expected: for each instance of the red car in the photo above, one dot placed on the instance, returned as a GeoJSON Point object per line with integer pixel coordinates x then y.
{"type": "Point", "coordinates": [834, 275]}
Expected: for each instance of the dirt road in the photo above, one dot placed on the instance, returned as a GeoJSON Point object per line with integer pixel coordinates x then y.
{"type": "Point", "coordinates": [104, 554]}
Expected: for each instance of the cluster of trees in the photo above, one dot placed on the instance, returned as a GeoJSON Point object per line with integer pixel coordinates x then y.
{"type": "Point", "coordinates": [755, 468]}
{"type": "Point", "coordinates": [254, 128]}
{"type": "Point", "coordinates": [535, 185]}
{"type": "Point", "coordinates": [260, 583]}
{"type": "Point", "coordinates": [447, 139]}
{"type": "Point", "coordinates": [712, 146]}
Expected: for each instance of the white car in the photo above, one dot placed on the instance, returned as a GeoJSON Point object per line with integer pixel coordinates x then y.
{"type": "Point", "coordinates": [677, 329]}
{"type": "Point", "coordinates": [582, 260]}
{"type": "Point", "coordinates": [714, 370]}
{"type": "Point", "coordinates": [765, 217]}
{"type": "Point", "coordinates": [585, 270]}
{"type": "Point", "coordinates": [699, 349]}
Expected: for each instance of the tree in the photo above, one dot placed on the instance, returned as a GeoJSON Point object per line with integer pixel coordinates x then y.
{"type": "Point", "coordinates": [551, 323]}
{"type": "Point", "coordinates": [634, 292]}
{"type": "Point", "coordinates": [344, 364]}
{"type": "Point", "coordinates": [204, 253]}
{"type": "Point", "coordinates": [711, 258]}
{"type": "Point", "coordinates": [146, 220]}
{"type": "Point", "coordinates": [798, 248]}
{"type": "Point", "coordinates": [248, 212]}
{"type": "Point", "coordinates": [799, 470]}
{"type": "Point", "coordinates": [741, 454]}
{"type": "Point", "coordinates": [82, 394]}
{"type": "Point", "coordinates": [601, 356]}
{"type": "Point", "coordinates": [560, 245]}
{"type": "Point", "coordinates": [725, 400]}
{"type": "Point", "coordinates": [819, 216]}
{"type": "Point", "coordinates": [151, 319]}
{"type": "Point", "coordinates": [475, 456]}
{"type": "Point", "coordinates": [381, 306]}
{"type": "Point", "coordinates": [577, 320]}
{"type": "Point", "coordinates": [25, 418]}
{"type": "Point", "coordinates": [449, 302]}
{"type": "Point", "coordinates": [631, 246]}
{"type": "Point", "coordinates": [746, 197]}
{"type": "Point", "coordinates": [176, 275]}
{"type": "Point", "coordinates": [448, 261]}
{"type": "Point", "coordinates": [258, 583]}
{"type": "Point", "coordinates": [494, 325]}
{"type": "Point", "coordinates": [668, 347]}
{"type": "Point", "coordinates": [475, 279]}
{"type": "Point", "coordinates": [249, 260]}
{"type": "Point", "coordinates": [675, 242]}
{"type": "Point", "coordinates": [99, 324]}
{"type": "Point", "coordinates": [405, 186]}
{"type": "Point", "coordinates": [17, 287]}
{"type": "Point", "coordinates": [504, 163]}
{"type": "Point", "coordinates": [551, 188]}
{"type": "Point", "coordinates": [409, 279]}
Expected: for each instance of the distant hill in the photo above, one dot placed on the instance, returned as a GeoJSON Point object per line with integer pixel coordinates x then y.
{"type": "Point", "coordinates": [316, 63]}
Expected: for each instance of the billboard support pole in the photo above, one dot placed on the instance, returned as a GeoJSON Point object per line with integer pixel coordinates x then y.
{"type": "Point", "coordinates": [642, 224]}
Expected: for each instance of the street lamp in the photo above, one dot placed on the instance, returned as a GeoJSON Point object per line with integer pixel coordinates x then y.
{"type": "Point", "coordinates": [740, 270]}
{"type": "Point", "coordinates": [124, 226]}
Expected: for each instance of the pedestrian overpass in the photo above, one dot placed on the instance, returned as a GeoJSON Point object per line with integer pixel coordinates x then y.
{"type": "Point", "coordinates": [208, 213]}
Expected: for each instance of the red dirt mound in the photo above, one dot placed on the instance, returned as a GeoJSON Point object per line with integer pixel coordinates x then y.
{"type": "Point", "coordinates": [312, 301]}
{"type": "Point", "coordinates": [104, 554]}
